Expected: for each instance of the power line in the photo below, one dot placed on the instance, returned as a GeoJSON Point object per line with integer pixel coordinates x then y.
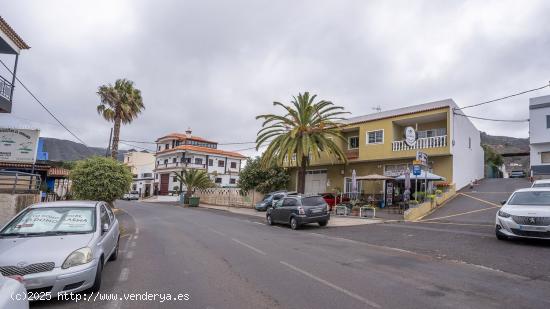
{"type": "Point", "coordinates": [491, 119]}
{"type": "Point", "coordinates": [136, 146]}
{"type": "Point", "coordinates": [138, 142]}
{"type": "Point", "coordinates": [43, 106]}
{"type": "Point", "coordinates": [506, 97]}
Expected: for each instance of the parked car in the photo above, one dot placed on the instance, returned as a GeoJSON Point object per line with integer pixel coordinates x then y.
{"type": "Point", "coordinates": [332, 199]}
{"type": "Point", "coordinates": [13, 294]}
{"type": "Point", "coordinates": [517, 174]}
{"type": "Point", "coordinates": [525, 214]}
{"type": "Point", "coordinates": [543, 183]}
{"type": "Point", "coordinates": [132, 195]}
{"type": "Point", "coordinates": [60, 246]}
{"type": "Point", "coordinates": [297, 210]}
{"type": "Point", "coordinates": [267, 201]}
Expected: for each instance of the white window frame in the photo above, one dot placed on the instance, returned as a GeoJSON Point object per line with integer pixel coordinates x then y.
{"type": "Point", "coordinates": [376, 143]}
{"type": "Point", "coordinates": [349, 138]}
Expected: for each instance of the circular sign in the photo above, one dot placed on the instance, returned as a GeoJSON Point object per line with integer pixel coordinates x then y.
{"type": "Point", "coordinates": [410, 136]}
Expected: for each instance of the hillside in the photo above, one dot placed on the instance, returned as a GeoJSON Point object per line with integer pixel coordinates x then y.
{"type": "Point", "coordinates": [65, 150]}
{"type": "Point", "coordinates": [506, 144]}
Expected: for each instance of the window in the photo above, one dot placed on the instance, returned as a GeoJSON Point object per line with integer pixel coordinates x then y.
{"type": "Point", "coordinates": [210, 162]}
{"type": "Point", "coordinates": [165, 161]}
{"type": "Point", "coordinates": [104, 216]}
{"type": "Point", "coordinates": [218, 180]}
{"type": "Point", "coordinates": [548, 121]}
{"type": "Point", "coordinates": [174, 179]}
{"type": "Point", "coordinates": [198, 160]}
{"type": "Point", "coordinates": [469, 143]}
{"type": "Point", "coordinates": [174, 160]}
{"type": "Point", "coordinates": [159, 148]}
{"type": "Point", "coordinates": [233, 164]}
{"type": "Point", "coordinates": [221, 163]}
{"type": "Point", "coordinates": [375, 137]}
{"type": "Point", "coordinates": [232, 181]}
{"type": "Point", "coordinates": [156, 176]}
{"type": "Point", "coordinates": [545, 157]}
{"type": "Point", "coordinates": [353, 142]}
{"type": "Point", "coordinates": [166, 146]}
{"type": "Point", "coordinates": [289, 202]}
{"type": "Point", "coordinates": [134, 187]}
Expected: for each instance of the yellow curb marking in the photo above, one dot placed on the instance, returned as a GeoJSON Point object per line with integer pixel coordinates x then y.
{"type": "Point", "coordinates": [460, 214]}
{"type": "Point", "coordinates": [478, 199]}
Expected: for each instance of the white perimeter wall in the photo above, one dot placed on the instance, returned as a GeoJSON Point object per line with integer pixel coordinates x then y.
{"type": "Point", "coordinates": [468, 163]}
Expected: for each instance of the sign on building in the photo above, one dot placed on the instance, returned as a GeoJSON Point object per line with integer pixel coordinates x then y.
{"type": "Point", "coordinates": [18, 145]}
{"type": "Point", "coordinates": [422, 157]}
{"type": "Point", "coordinates": [417, 170]}
{"type": "Point", "coordinates": [410, 136]}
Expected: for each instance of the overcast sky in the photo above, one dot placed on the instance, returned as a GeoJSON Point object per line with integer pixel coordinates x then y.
{"type": "Point", "coordinates": [214, 65]}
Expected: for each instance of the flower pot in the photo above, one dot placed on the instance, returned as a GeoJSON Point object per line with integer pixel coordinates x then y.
{"type": "Point", "coordinates": [194, 201]}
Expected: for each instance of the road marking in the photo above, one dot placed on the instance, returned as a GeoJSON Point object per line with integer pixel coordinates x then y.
{"type": "Point", "coordinates": [481, 200]}
{"type": "Point", "coordinates": [114, 304]}
{"type": "Point", "coordinates": [217, 232]}
{"type": "Point", "coordinates": [130, 254]}
{"type": "Point", "coordinates": [451, 223]}
{"type": "Point", "coordinates": [249, 246]}
{"type": "Point", "coordinates": [459, 214]}
{"type": "Point", "coordinates": [260, 223]}
{"type": "Point", "coordinates": [136, 237]}
{"type": "Point", "coordinates": [479, 192]}
{"type": "Point", "coordinates": [137, 230]}
{"type": "Point", "coordinates": [337, 288]}
{"type": "Point", "coordinates": [124, 274]}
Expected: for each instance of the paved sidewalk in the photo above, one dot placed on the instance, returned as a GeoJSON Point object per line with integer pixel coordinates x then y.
{"type": "Point", "coordinates": [335, 221]}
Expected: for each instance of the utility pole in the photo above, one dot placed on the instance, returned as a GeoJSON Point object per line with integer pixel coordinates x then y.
{"type": "Point", "coordinates": [107, 153]}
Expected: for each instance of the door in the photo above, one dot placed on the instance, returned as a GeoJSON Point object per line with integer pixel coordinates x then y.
{"type": "Point", "coordinates": [107, 242]}
{"type": "Point", "coordinates": [286, 209]}
{"type": "Point", "coordinates": [164, 179]}
{"type": "Point", "coordinates": [276, 211]}
{"type": "Point", "coordinates": [147, 190]}
{"type": "Point", "coordinates": [316, 181]}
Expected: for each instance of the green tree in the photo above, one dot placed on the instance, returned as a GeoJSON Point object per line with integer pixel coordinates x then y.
{"type": "Point", "coordinates": [304, 131]}
{"type": "Point", "coordinates": [264, 179]}
{"type": "Point", "coordinates": [492, 157]}
{"type": "Point", "coordinates": [120, 103]}
{"type": "Point", "coordinates": [193, 179]}
{"type": "Point", "coordinates": [101, 179]}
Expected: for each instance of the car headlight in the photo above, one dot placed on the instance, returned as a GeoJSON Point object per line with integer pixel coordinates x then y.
{"type": "Point", "coordinates": [78, 257]}
{"type": "Point", "coordinates": [503, 214]}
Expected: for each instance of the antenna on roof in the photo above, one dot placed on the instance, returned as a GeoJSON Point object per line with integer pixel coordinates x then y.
{"type": "Point", "coordinates": [378, 109]}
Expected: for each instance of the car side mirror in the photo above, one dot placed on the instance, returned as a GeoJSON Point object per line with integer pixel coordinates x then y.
{"type": "Point", "coordinates": [105, 227]}
{"type": "Point", "coordinates": [502, 202]}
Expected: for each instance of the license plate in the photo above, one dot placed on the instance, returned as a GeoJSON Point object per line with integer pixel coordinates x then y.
{"type": "Point", "coordinates": [316, 211]}
{"type": "Point", "coordinates": [532, 228]}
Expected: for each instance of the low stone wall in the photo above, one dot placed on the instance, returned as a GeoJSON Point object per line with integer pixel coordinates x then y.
{"type": "Point", "coordinates": [11, 204]}
{"type": "Point", "coordinates": [413, 214]}
{"type": "Point", "coordinates": [232, 197]}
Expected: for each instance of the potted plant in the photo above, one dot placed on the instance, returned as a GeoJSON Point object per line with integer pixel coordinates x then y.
{"type": "Point", "coordinates": [193, 179]}
{"type": "Point", "coordinates": [438, 192]}
{"type": "Point", "coordinates": [355, 210]}
{"type": "Point", "coordinates": [413, 203]}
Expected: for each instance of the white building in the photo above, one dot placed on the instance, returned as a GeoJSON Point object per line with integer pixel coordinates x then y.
{"type": "Point", "coordinates": [177, 151]}
{"type": "Point", "coordinates": [539, 136]}
{"type": "Point", "coordinates": [142, 164]}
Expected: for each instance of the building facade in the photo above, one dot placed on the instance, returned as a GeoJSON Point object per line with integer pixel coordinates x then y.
{"type": "Point", "coordinates": [177, 151]}
{"type": "Point", "coordinates": [376, 144]}
{"type": "Point", "coordinates": [142, 165]}
{"type": "Point", "coordinates": [539, 136]}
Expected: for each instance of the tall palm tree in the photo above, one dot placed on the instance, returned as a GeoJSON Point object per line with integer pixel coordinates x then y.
{"type": "Point", "coordinates": [193, 179]}
{"type": "Point", "coordinates": [120, 103]}
{"type": "Point", "coordinates": [305, 131]}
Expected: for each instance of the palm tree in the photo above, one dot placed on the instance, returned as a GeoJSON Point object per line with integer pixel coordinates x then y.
{"type": "Point", "coordinates": [193, 179]}
{"type": "Point", "coordinates": [120, 103]}
{"type": "Point", "coordinates": [305, 131]}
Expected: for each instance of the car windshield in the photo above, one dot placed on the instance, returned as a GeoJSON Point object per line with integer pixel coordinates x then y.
{"type": "Point", "coordinates": [267, 198]}
{"type": "Point", "coordinates": [541, 185]}
{"type": "Point", "coordinates": [531, 198]}
{"type": "Point", "coordinates": [313, 201]}
{"type": "Point", "coordinates": [134, 192]}
{"type": "Point", "coordinates": [52, 220]}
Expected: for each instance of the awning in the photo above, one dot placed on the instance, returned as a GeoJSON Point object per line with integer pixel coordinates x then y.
{"type": "Point", "coordinates": [374, 177]}
{"type": "Point", "coordinates": [429, 176]}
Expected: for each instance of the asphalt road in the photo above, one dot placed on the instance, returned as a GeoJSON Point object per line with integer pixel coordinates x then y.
{"type": "Point", "coordinates": [222, 260]}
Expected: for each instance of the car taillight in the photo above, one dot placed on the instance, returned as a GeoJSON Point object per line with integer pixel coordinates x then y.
{"type": "Point", "coordinates": [301, 210]}
{"type": "Point", "coordinates": [17, 277]}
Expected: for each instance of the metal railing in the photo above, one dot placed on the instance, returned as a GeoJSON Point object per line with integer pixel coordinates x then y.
{"type": "Point", "coordinates": [421, 143]}
{"type": "Point", "coordinates": [5, 88]}
{"type": "Point", "coordinates": [19, 182]}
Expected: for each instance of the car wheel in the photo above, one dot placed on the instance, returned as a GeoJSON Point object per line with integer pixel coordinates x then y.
{"type": "Point", "coordinates": [501, 236]}
{"type": "Point", "coordinates": [294, 224]}
{"type": "Point", "coordinates": [269, 220]}
{"type": "Point", "coordinates": [114, 255]}
{"type": "Point", "coordinates": [97, 281]}
{"type": "Point", "coordinates": [323, 223]}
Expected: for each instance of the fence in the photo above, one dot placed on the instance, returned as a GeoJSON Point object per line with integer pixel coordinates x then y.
{"type": "Point", "coordinates": [19, 182]}
{"type": "Point", "coordinates": [233, 197]}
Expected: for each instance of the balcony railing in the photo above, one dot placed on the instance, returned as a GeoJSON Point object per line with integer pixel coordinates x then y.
{"type": "Point", "coordinates": [352, 154]}
{"type": "Point", "coordinates": [180, 165]}
{"type": "Point", "coordinates": [421, 143]}
{"type": "Point", "coordinates": [5, 88]}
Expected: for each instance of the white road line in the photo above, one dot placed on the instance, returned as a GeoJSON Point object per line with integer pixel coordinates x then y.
{"type": "Point", "coordinates": [124, 274]}
{"type": "Point", "coordinates": [249, 246]}
{"type": "Point", "coordinates": [217, 232]}
{"type": "Point", "coordinates": [133, 244]}
{"type": "Point", "coordinates": [136, 236]}
{"type": "Point", "coordinates": [127, 243]}
{"type": "Point", "coordinates": [260, 223]}
{"type": "Point", "coordinates": [130, 254]}
{"type": "Point", "coordinates": [137, 231]}
{"type": "Point", "coordinates": [337, 288]}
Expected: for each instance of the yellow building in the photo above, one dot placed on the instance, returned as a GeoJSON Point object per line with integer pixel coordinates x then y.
{"type": "Point", "coordinates": [376, 144]}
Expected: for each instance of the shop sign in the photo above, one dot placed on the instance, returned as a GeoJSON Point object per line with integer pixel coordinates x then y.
{"type": "Point", "coordinates": [410, 136]}
{"type": "Point", "coordinates": [422, 157]}
{"type": "Point", "coordinates": [417, 170]}
{"type": "Point", "coordinates": [18, 145]}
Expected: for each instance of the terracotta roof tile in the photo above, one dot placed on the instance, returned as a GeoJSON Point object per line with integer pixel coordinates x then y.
{"type": "Point", "coordinates": [58, 172]}
{"type": "Point", "coordinates": [183, 137]}
{"type": "Point", "coordinates": [204, 149]}
{"type": "Point", "coordinates": [4, 27]}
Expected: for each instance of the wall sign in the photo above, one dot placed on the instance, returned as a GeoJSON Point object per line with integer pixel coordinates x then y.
{"type": "Point", "coordinates": [18, 145]}
{"type": "Point", "coordinates": [410, 136]}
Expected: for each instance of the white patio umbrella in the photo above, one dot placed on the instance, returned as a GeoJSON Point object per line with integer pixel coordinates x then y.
{"type": "Point", "coordinates": [354, 183]}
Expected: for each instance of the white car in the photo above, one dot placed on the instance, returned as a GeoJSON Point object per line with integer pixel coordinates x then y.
{"type": "Point", "coordinates": [13, 294]}
{"type": "Point", "coordinates": [132, 195]}
{"type": "Point", "coordinates": [525, 214]}
{"type": "Point", "coordinates": [543, 183]}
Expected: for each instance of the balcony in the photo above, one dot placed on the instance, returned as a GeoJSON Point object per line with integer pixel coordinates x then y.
{"type": "Point", "coordinates": [421, 143]}
{"type": "Point", "coordinates": [180, 165]}
{"type": "Point", "coordinates": [5, 95]}
{"type": "Point", "coordinates": [352, 154]}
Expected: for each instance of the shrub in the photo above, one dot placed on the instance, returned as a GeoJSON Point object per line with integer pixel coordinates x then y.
{"type": "Point", "coordinates": [100, 179]}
